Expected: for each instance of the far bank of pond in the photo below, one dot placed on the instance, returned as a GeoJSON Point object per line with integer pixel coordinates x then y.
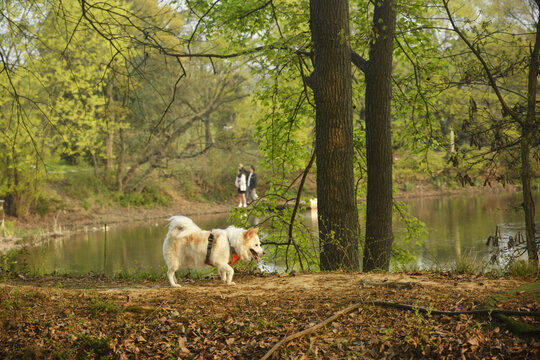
{"type": "Point", "coordinates": [457, 227]}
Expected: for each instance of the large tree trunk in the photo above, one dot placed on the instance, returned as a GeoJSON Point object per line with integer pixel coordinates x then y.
{"type": "Point", "coordinates": [331, 84]}
{"type": "Point", "coordinates": [379, 237]}
{"type": "Point", "coordinates": [527, 133]}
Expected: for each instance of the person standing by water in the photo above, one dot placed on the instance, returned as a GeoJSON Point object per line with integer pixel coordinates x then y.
{"type": "Point", "coordinates": [251, 185]}
{"type": "Point", "coordinates": [241, 186]}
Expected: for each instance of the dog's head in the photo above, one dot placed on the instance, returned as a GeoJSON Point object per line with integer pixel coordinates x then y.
{"type": "Point", "coordinates": [252, 245]}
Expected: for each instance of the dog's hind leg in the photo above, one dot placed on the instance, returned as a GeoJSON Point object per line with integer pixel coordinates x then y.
{"type": "Point", "coordinates": [172, 266]}
{"type": "Point", "coordinates": [172, 279]}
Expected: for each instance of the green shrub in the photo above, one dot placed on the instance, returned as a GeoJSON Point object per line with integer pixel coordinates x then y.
{"type": "Point", "coordinates": [9, 263]}
{"type": "Point", "coordinates": [43, 204]}
{"type": "Point", "coordinates": [86, 204]}
{"type": "Point", "coordinates": [81, 185]}
{"type": "Point", "coordinates": [523, 269]}
{"type": "Point", "coordinates": [149, 196]}
{"type": "Point", "coordinates": [407, 186]}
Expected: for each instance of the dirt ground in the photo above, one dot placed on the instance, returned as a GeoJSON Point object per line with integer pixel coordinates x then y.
{"type": "Point", "coordinates": [97, 318]}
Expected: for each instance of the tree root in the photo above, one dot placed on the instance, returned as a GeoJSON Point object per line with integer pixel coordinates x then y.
{"type": "Point", "coordinates": [453, 313]}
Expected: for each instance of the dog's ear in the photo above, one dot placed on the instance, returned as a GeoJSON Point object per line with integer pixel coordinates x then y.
{"type": "Point", "coordinates": [251, 232]}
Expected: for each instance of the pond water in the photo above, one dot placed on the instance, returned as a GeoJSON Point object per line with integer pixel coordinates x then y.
{"type": "Point", "coordinates": [457, 226]}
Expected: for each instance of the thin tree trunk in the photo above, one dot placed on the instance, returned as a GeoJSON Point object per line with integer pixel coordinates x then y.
{"type": "Point", "coordinates": [207, 132]}
{"type": "Point", "coordinates": [527, 131]}
{"type": "Point", "coordinates": [110, 151]}
{"type": "Point", "coordinates": [331, 84]}
{"type": "Point", "coordinates": [452, 141]}
{"type": "Point", "coordinates": [120, 163]}
{"type": "Point", "coordinates": [111, 119]}
{"type": "Point", "coordinates": [379, 237]}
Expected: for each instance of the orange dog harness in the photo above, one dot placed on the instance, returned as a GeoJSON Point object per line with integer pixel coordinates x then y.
{"type": "Point", "coordinates": [235, 257]}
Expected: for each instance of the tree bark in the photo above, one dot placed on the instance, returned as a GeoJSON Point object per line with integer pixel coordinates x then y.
{"type": "Point", "coordinates": [331, 84]}
{"type": "Point", "coordinates": [527, 134]}
{"type": "Point", "coordinates": [379, 237]}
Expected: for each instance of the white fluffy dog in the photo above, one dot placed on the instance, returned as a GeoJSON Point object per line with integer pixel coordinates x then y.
{"type": "Point", "coordinates": [187, 246]}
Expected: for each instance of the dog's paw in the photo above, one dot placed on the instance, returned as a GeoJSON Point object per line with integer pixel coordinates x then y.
{"type": "Point", "coordinates": [231, 283]}
{"type": "Point", "coordinates": [176, 285]}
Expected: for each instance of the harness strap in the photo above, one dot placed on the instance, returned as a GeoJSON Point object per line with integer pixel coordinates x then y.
{"type": "Point", "coordinates": [209, 248]}
{"type": "Point", "coordinates": [233, 255]}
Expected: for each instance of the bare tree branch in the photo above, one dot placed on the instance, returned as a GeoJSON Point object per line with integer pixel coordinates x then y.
{"type": "Point", "coordinates": [485, 66]}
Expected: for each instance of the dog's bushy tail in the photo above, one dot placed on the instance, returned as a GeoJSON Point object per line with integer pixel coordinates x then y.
{"type": "Point", "coordinates": [182, 223]}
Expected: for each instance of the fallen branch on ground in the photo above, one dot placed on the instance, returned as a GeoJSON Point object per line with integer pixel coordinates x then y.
{"type": "Point", "coordinates": [398, 306]}
{"type": "Point", "coordinates": [311, 329]}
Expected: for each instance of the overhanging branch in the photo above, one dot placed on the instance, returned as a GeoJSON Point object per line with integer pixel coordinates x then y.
{"type": "Point", "coordinates": [359, 61]}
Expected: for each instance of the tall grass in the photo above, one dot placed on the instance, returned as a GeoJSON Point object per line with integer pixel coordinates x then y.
{"type": "Point", "coordinates": [523, 269]}
{"type": "Point", "coordinates": [468, 264]}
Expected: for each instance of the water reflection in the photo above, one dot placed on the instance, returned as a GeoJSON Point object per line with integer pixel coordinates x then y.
{"type": "Point", "coordinates": [456, 226]}
{"type": "Point", "coordinates": [459, 226]}
{"type": "Point", "coordinates": [119, 249]}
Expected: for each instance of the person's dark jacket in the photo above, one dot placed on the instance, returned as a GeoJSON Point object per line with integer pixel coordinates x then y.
{"type": "Point", "coordinates": [252, 181]}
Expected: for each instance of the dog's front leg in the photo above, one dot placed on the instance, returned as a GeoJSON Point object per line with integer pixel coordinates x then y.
{"type": "Point", "coordinates": [226, 272]}
{"type": "Point", "coordinates": [172, 279]}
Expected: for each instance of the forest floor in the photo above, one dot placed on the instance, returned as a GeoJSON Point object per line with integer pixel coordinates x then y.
{"type": "Point", "coordinates": [99, 318]}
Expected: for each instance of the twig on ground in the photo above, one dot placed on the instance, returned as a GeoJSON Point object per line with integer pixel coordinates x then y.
{"type": "Point", "coordinates": [398, 306]}
{"type": "Point", "coordinates": [311, 329]}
